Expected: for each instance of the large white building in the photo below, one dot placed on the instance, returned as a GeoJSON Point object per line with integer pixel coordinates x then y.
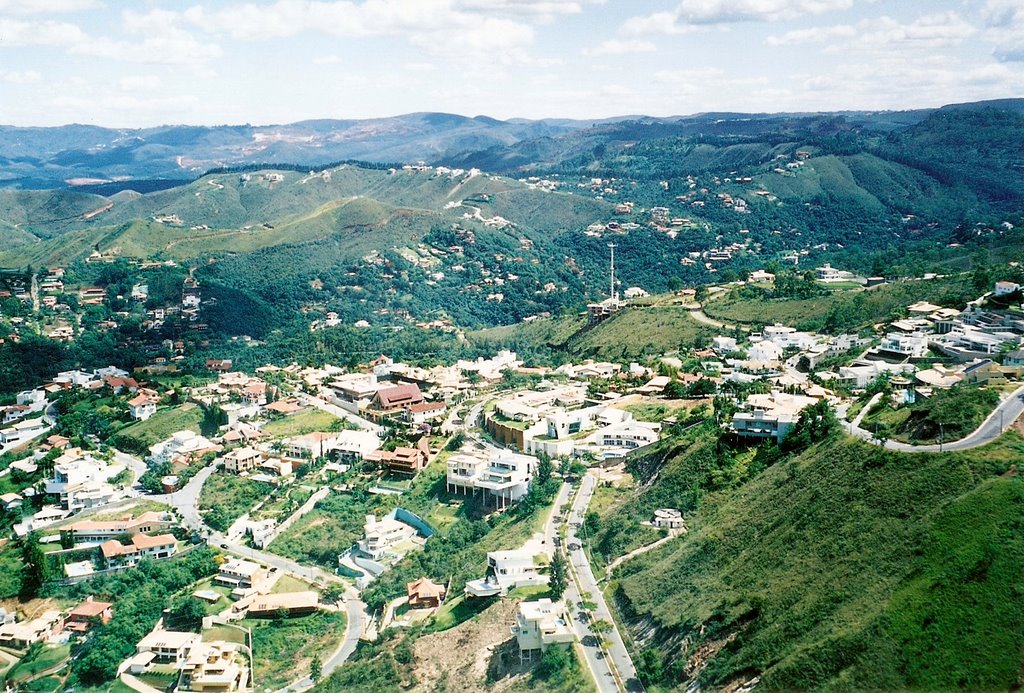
{"type": "Point", "coordinates": [79, 480]}
{"type": "Point", "coordinates": [770, 416]}
{"type": "Point", "coordinates": [383, 535]}
{"type": "Point", "coordinates": [507, 570]}
{"type": "Point", "coordinates": [914, 345]}
{"type": "Point", "coordinates": [181, 443]}
{"type": "Point", "coordinates": [503, 476]}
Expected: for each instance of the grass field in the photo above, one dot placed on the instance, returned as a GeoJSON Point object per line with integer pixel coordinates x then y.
{"type": "Point", "coordinates": [309, 421]}
{"type": "Point", "coordinates": [226, 497]}
{"type": "Point", "coordinates": [283, 648]}
{"type": "Point", "coordinates": [163, 424]}
{"type": "Point", "coordinates": [867, 307]}
{"type": "Point", "coordinates": [48, 657]}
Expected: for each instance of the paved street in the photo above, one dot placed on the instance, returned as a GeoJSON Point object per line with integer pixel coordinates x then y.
{"type": "Point", "coordinates": [620, 658]}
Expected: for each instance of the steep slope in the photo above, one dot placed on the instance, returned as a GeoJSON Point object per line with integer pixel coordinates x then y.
{"type": "Point", "coordinates": [845, 567]}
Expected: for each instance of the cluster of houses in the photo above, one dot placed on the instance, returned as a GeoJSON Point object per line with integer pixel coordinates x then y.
{"type": "Point", "coordinates": [980, 344]}
{"type": "Point", "coordinates": [560, 421]}
{"type": "Point", "coordinates": [52, 625]}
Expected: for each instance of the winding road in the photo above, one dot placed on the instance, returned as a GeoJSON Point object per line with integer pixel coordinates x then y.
{"type": "Point", "coordinates": [1005, 414]}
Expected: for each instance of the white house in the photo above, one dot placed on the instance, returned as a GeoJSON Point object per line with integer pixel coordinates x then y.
{"type": "Point", "coordinates": [770, 416]}
{"type": "Point", "coordinates": [505, 476]}
{"type": "Point", "coordinates": [540, 624]}
{"type": "Point", "coordinates": [913, 345]}
{"type": "Point", "coordinates": [723, 345]}
{"type": "Point", "coordinates": [181, 443]}
{"type": "Point", "coordinates": [142, 406]}
{"type": "Point", "coordinates": [380, 536]}
{"type": "Point", "coordinates": [764, 351]}
{"type": "Point", "coordinates": [506, 570]}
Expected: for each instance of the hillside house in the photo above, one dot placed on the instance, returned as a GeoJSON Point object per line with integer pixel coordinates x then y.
{"type": "Point", "coordinates": [165, 646]}
{"type": "Point", "coordinates": [242, 460]}
{"type": "Point", "coordinates": [142, 406]}
{"type": "Point", "coordinates": [286, 603]}
{"type": "Point", "coordinates": [117, 555]}
{"type": "Point", "coordinates": [381, 536]}
{"type": "Point", "coordinates": [424, 594]}
{"type": "Point", "coordinates": [539, 625]}
{"type": "Point", "coordinates": [506, 570]}
{"type": "Point", "coordinates": [82, 617]}
{"type": "Point", "coordinates": [769, 416]}
{"type": "Point", "coordinates": [20, 635]}
{"type": "Point", "coordinates": [215, 667]}
{"type": "Point", "coordinates": [97, 531]}
{"type": "Point", "coordinates": [393, 399]}
{"type": "Point", "coordinates": [237, 573]}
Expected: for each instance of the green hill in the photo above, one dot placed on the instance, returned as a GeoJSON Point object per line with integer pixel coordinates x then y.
{"type": "Point", "coordinates": [845, 567]}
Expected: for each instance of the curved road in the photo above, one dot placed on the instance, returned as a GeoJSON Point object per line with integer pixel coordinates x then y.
{"type": "Point", "coordinates": [1008, 411]}
{"type": "Point", "coordinates": [186, 501]}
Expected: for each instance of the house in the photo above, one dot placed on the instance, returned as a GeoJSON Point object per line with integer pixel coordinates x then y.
{"type": "Point", "coordinates": [29, 397]}
{"type": "Point", "coordinates": [505, 477]}
{"type": "Point", "coordinates": [284, 407]}
{"type": "Point", "coordinates": [626, 434]}
{"type": "Point", "coordinates": [117, 555]}
{"type": "Point", "coordinates": [167, 646]}
{"type": "Point", "coordinates": [668, 518]}
{"type": "Point", "coordinates": [1014, 359]}
{"type": "Point", "coordinates": [506, 570]}
{"type": "Point", "coordinates": [11, 501]}
{"type": "Point", "coordinates": [82, 617]}
{"type": "Point", "coordinates": [218, 365]}
{"type": "Point", "coordinates": [984, 371]}
{"type": "Point", "coordinates": [404, 460]}
{"type": "Point", "coordinates": [425, 411]}
{"type": "Point", "coordinates": [142, 406]}
{"type": "Point", "coordinates": [182, 445]}
{"type": "Point", "coordinates": [723, 345]}
{"type": "Point", "coordinates": [764, 350]}
{"type": "Point", "coordinates": [95, 531]}
{"type": "Point", "coordinates": [238, 573]}
{"type": "Point", "coordinates": [79, 480]}
{"type": "Point", "coordinates": [311, 446]}
{"type": "Point", "coordinates": [215, 666]}
{"type": "Point", "coordinates": [1005, 288]}
{"type": "Point", "coordinates": [392, 399]}
{"type": "Point", "coordinates": [23, 430]}
{"type": "Point", "coordinates": [913, 345]}
{"type": "Point", "coordinates": [770, 416]}
{"type": "Point", "coordinates": [828, 273]}
{"type": "Point", "coordinates": [424, 594]}
{"type": "Point", "coordinates": [380, 536]}
{"type": "Point", "coordinates": [353, 446]}
{"type": "Point", "coordinates": [286, 603]}
{"type": "Point", "coordinates": [20, 635]}
{"type": "Point", "coordinates": [241, 460]}
{"type": "Point", "coordinates": [539, 625]}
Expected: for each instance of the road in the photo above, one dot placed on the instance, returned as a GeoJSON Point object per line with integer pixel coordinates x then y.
{"type": "Point", "coordinates": [1008, 411]}
{"type": "Point", "coordinates": [186, 501]}
{"type": "Point", "coordinates": [619, 655]}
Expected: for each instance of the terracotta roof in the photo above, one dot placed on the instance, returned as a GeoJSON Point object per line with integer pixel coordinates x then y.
{"type": "Point", "coordinates": [426, 406]}
{"type": "Point", "coordinates": [424, 588]}
{"type": "Point", "coordinates": [399, 395]}
{"type": "Point", "coordinates": [88, 609]}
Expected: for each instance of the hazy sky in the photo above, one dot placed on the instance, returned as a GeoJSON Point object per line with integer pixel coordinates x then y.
{"type": "Point", "coordinates": [147, 62]}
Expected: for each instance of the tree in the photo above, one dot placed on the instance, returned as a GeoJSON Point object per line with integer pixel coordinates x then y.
{"type": "Point", "coordinates": [316, 668]}
{"type": "Point", "coordinates": [187, 616]}
{"type": "Point", "coordinates": [816, 423]}
{"type": "Point", "coordinates": [544, 468]}
{"type": "Point", "coordinates": [558, 580]}
{"type": "Point", "coordinates": [649, 668]}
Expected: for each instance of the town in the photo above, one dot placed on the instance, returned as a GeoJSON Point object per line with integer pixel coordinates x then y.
{"type": "Point", "coordinates": [292, 512]}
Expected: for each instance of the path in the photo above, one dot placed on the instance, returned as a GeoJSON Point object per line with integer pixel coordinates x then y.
{"type": "Point", "coordinates": [672, 534]}
{"type": "Point", "coordinates": [1007, 412]}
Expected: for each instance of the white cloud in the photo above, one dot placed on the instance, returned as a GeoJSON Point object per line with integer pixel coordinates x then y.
{"type": "Point", "coordinates": [1004, 27]}
{"type": "Point", "coordinates": [621, 47]}
{"type": "Point", "coordinates": [164, 41]}
{"type": "Point", "coordinates": [331, 59]}
{"type": "Point", "coordinates": [689, 13]}
{"type": "Point", "coordinates": [140, 83]}
{"type": "Point", "coordinates": [26, 7]}
{"type": "Point", "coordinates": [20, 76]}
{"type": "Point", "coordinates": [15, 33]}
{"type": "Point", "coordinates": [421, 67]}
{"type": "Point", "coordinates": [885, 33]}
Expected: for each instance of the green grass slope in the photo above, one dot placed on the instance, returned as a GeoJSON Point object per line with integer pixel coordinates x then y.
{"type": "Point", "coordinates": [846, 567]}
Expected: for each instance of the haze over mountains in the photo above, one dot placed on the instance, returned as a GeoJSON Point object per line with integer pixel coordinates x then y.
{"type": "Point", "coordinates": [51, 157]}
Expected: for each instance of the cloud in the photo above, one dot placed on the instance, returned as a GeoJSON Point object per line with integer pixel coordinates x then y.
{"type": "Point", "coordinates": [27, 7]}
{"type": "Point", "coordinates": [884, 33]}
{"type": "Point", "coordinates": [20, 76]}
{"type": "Point", "coordinates": [331, 59]}
{"type": "Point", "coordinates": [620, 47]}
{"type": "Point", "coordinates": [690, 13]}
{"type": "Point", "coordinates": [139, 83]}
{"type": "Point", "coordinates": [15, 33]}
{"type": "Point", "coordinates": [1004, 27]}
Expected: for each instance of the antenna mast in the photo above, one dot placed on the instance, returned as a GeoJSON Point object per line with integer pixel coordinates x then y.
{"type": "Point", "coordinates": [613, 293]}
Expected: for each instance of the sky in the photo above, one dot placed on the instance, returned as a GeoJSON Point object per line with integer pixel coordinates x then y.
{"type": "Point", "coordinates": [139, 63]}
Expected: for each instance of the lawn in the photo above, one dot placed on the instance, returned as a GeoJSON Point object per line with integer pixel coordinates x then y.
{"type": "Point", "coordinates": [48, 657]}
{"type": "Point", "coordinates": [309, 421]}
{"type": "Point", "coordinates": [226, 634]}
{"type": "Point", "coordinates": [226, 497]}
{"type": "Point", "coordinates": [165, 422]}
{"type": "Point", "coordinates": [285, 501]}
{"type": "Point", "coordinates": [11, 568]}
{"type": "Point", "coordinates": [330, 528]}
{"type": "Point", "coordinates": [284, 648]}
{"type": "Point", "coordinates": [947, 415]}
{"type": "Point", "coordinates": [287, 583]}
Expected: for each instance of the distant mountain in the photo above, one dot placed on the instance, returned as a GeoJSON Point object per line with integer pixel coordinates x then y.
{"type": "Point", "coordinates": [106, 160]}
